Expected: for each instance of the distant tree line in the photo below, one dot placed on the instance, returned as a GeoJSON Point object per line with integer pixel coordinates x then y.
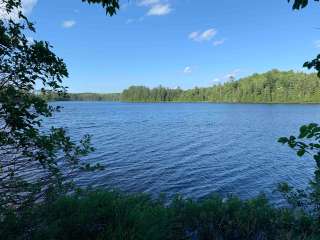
{"type": "Point", "coordinates": [270, 87]}
{"type": "Point", "coordinates": [110, 97]}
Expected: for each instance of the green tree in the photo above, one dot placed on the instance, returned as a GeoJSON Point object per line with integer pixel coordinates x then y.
{"type": "Point", "coordinates": [270, 87]}
{"type": "Point", "coordinates": [30, 163]}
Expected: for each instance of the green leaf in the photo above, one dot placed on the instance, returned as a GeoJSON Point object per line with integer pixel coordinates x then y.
{"type": "Point", "coordinates": [283, 140]}
{"type": "Point", "coordinates": [301, 152]}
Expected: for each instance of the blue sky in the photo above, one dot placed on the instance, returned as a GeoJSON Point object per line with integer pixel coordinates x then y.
{"type": "Point", "coordinates": [174, 43]}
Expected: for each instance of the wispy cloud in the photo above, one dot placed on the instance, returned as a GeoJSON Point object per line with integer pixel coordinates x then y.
{"type": "Point", "coordinates": [317, 44]}
{"type": "Point", "coordinates": [154, 8]}
{"type": "Point", "coordinates": [193, 35]}
{"type": "Point", "coordinates": [218, 42]}
{"type": "Point", "coordinates": [133, 20]}
{"type": "Point", "coordinates": [148, 2]}
{"type": "Point", "coordinates": [68, 24]}
{"type": "Point", "coordinates": [159, 10]}
{"type": "Point", "coordinates": [130, 20]}
{"type": "Point", "coordinates": [206, 35]}
{"type": "Point", "coordinates": [187, 70]}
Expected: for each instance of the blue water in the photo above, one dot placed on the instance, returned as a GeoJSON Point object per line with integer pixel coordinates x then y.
{"type": "Point", "coordinates": [191, 149]}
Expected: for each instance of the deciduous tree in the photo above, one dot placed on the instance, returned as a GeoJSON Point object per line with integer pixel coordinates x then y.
{"type": "Point", "coordinates": [34, 159]}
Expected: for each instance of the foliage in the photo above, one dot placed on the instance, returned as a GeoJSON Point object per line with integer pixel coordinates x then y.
{"type": "Point", "coordinates": [298, 4]}
{"type": "Point", "coordinates": [112, 215]}
{"type": "Point", "coordinates": [110, 97]}
{"type": "Point", "coordinates": [315, 63]}
{"type": "Point", "coordinates": [111, 6]}
{"type": "Point", "coordinates": [271, 87]}
{"type": "Point", "coordinates": [31, 157]}
{"type": "Point", "coordinates": [308, 142]}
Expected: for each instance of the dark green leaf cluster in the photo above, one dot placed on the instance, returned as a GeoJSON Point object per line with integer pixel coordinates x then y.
{"type": "Point", "coordinates": [315, 63]}
{"type": "Point", "coordinates": [111, 6]}
{"type": "Point", "coordinates": [298, 4]}
{"type": "Point", "coordinates": [271, 87]}
{"type": "Point", "coordinates": [112, 215]}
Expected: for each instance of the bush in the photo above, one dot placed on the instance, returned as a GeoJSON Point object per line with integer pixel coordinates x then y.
{"type": "Point", "coordinates": [113, 215]}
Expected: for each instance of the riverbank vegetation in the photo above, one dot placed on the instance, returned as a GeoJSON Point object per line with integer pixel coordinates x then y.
{"type": "Point", "coordinates": [112, 215]}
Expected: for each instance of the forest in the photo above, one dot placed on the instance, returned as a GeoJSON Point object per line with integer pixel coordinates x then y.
{"type": "Point", "coordinates": [271, 87]}
{"type": "Point", "coordinates": [110, 97]}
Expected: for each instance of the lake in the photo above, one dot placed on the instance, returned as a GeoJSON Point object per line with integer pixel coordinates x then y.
{"type": "Point", "coordinates": [190, 148]}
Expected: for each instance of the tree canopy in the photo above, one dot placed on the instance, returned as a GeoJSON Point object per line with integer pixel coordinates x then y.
{"type": "Point", "coordinates": [271, 87]}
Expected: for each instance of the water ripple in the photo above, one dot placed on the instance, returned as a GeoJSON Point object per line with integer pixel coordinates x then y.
{"type": "Point", "coordinates": [192, 149]}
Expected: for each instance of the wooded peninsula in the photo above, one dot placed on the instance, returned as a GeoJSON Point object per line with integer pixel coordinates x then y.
{"type": "Point", "coordinates": [271, 87]}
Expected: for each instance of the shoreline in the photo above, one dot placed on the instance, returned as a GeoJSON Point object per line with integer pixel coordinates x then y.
{"type": "Point", "coordinates": [185, 102]}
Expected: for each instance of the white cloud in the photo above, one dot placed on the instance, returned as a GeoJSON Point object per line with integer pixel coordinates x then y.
{"type": "Point", "coordinates": [68, 24]}
{"type": "Point", "coordinates": [148, 2]}
{"type": "Point", "coordinates": [187, 70]}
{"type": "Point", "coordinates": [26, 8]}
{"type": "Point", "coordinates": [207, 35]}
{"type": "Point", "coordinates": [218, 42]}
{"type": "Point", "coordinates": [317, 44]}
{"type": "Point", "coordinates": [159, 10]}
{"type": "Point", "coordinates": [193, 35]}
{"type": "Point", "coordinates": [130, 20]}
{"type": "Point", "coordinates": [156, 7]}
